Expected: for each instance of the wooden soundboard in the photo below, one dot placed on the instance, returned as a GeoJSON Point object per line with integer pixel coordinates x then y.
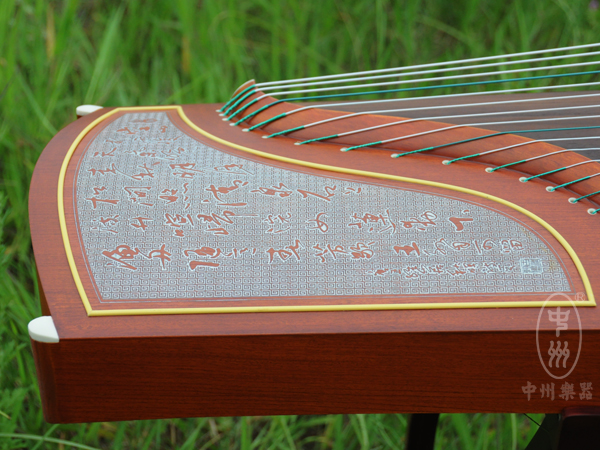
{"type": "Point", "coordinates": [192, 269]}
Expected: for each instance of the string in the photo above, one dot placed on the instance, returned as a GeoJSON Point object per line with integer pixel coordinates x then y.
{"type": "Point", "coordinates": [575, 200]}
{"type": "Point", "coordinates": [552, 189]}
{"type": "Point", "coordinates": [427, 72]}
{"type": "Point", "coordinates": [456, 116]}
{"type": "Point", "coordinates": [521, 144]}
{"type": "Point", "coordinates": [297, 86]}
{"type": "Point", "coordinates": [386, 91]}
{"type": "Point", "coordinates": [397, 155]}
{"type": "Point", "coordinates": [391, 83]}
{"type": "Point", "coordinates": [503, 166]}
{"type": "Point", "coordinates": [419, 66]}
{"type": "Point", "coordinates": [387, 111]}
{"type": "Point", "coordinates": [371, 144]}
{"type": "Point", "coordinates": [526, 179]}
{"type": "Point", "coordinates": [432, 97]}
{"type": "Point", "coordinates": [235, 107]}
{"type": "Point", "coordinates": [250, 91]}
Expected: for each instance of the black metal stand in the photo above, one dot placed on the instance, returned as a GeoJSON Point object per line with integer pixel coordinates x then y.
{"type": "Point", "coordinates": [421, 431]}
{"type": "Point", "coordinates": [575, 428]}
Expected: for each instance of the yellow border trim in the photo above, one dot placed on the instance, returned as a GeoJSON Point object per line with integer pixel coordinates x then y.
{"type": "Point", "coordinates": [362, 307]}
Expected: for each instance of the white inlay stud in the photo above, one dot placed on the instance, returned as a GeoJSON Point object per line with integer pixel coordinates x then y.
{"type": "Point", "coordinates": [42, 329]}
{"type": "Point", "coordinates": [84, 110]}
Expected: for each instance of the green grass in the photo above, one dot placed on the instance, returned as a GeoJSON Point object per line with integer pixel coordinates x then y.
{"type": "Point", "coordinates": [57, 55]}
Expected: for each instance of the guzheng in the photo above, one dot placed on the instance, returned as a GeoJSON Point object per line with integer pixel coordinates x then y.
{"type": "Point", "coordinates": [214, 260]}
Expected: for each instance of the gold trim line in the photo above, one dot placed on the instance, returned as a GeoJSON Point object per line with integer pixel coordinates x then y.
{"type": "Point", "coordinates": [362, 307]}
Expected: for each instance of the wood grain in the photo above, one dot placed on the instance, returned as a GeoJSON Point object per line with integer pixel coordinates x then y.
{"type": "Point", "coordinates": [475, 360]}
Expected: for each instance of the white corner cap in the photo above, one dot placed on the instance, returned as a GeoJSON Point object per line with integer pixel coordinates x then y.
{"type": "Point", "coordinates": [42, 329]}
{"type": "Point", "coordinates": [84, 110]}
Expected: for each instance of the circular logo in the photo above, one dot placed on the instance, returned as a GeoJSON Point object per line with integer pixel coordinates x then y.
{"type": "Point", "coordinates": [555, 350]}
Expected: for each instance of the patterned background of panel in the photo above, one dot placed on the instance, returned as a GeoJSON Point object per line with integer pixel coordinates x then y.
{"type": "Point", "coordinates": [162, 216]}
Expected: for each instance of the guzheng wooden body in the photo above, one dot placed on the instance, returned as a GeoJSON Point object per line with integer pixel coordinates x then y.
{"type": "Point", "coordinates": [192, 269]}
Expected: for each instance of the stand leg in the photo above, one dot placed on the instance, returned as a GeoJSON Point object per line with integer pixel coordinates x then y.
{"type": "Point", "coordinates": [546, 435]}
{"type": "Point", "coordinates": [575, 428]}
{"type": "Point", "coordinates": [421, 431]}
{"type": "Point", "coordinates": [579, 428]}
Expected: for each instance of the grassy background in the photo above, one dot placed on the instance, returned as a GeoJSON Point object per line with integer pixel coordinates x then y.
{"type": "Point", "coordinates": [57, 55]}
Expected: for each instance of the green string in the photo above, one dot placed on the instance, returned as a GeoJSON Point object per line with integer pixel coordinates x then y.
{"type": "Point", "coordinates": [397, 155]}
{"type": "Point", "coordinates": [283, 132]}
{"type": "Point", "coordinates": [585, 196]}
{"type": "Point", "coordinates": [507, 165]}
{"type": "Point", "coordinates": [525, 180]}
{"type": "Point", "coordinates": [244, 107]}
{"type": "Point", "coordinates": [370, 144]}
{"type": "Point", "coordinates": [249, 116]}
{"type": "Point", "coordinates": [323, 138]}
{"type": "Point", "coordinates": [240, 100]}
{"type": "Point", "coordinates": [273, 119]}
{"type": "Point", "coordinates": [461, 158]}
{"type": "Point", "coordinates": [492, 135]}
{"type": "Point", "coordinates": [235, 97]}
{"type": "Point", "coordinates": [569, 183]}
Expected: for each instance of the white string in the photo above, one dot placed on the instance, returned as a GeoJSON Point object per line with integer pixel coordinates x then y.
{"type": "Point", "coordinates": [560, 169]}
{"type": "Point", "coordinates": [368, 102]}
{"type": "Point", "coordinates": [481, 124]}
{"type": "Point", "coordinates": [391, 83]}
{"type": "Point", "coordinates": [421, 66]}
{"type": "Point", "coordinates": [464, 105]}
{"type": "Point", "coordinates": [552, 189]}
{"type": "Point", "coordinates": [460, 116]}
{"type": "Point", "coordinates": [533, 141]}
{"type": "Point", "coordinates": [533, 158]}
{"type": "Point", "coordinates": [424, 72]}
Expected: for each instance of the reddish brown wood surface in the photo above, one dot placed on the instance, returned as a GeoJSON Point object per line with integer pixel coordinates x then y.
{"type": "Point", "coordinates": [91, 289]}
{"type": "Point", "coordinates": [138, 367]}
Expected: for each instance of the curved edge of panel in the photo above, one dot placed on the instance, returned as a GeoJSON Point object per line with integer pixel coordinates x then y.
{"type": "Point", "coordinates": [459, 305]}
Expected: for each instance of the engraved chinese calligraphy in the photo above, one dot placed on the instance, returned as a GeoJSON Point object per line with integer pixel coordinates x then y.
{"type": "Point", "coordinates": [163, 216]}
